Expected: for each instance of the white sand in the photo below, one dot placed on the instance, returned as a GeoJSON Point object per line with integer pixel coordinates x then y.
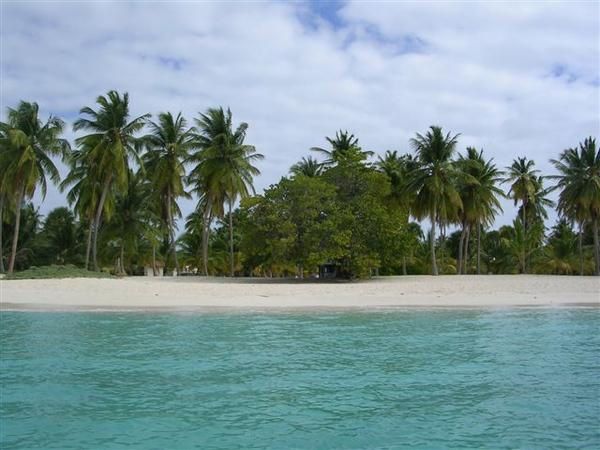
{"type": "Point", "coordinates": [186, 293]}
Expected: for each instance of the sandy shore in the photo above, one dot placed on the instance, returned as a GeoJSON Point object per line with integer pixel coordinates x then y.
{"type": "Point", "coordinates": [208, 294]}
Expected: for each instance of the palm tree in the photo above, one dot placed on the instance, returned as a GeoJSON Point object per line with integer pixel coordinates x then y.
{"type": "Point", "coordinates": [344, 147]}
{"type": "Point", "coordinates": [522, 176]}
{"type": "Point", "coordinates": [109, 146]}
{"type": "Point", "coordinates": [133, 219]}
{"type": "Point", "coordinates": [27, 145]}
{"type": "Point", "coordinates": [479, 194]}
{"type": "Point", "coordinates": [308, 167]}
{"type": "Point", "coordinates": [434, 182]}
{"type": "Point", "coordinates": [225, 169]}
{"type": "Point", "coordinates": [83, 195]}
{"type": "Point", "coordinates": [579, 198]}
{"type": "Point", "coordinates": [169, 144]}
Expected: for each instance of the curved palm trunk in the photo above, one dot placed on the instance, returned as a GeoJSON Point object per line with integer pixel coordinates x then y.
{"type": "Point", "coordinates": [231, 269]}
{"type": "Point", "coordinates": [172, 243]}
{"type": "Point", "coordinates": [205, 232]}
{"type": "Point", "coordinates": [580, 248]}
{"type": "Point", "coordinates": [98, 221]}
{"type": "Point", "coordinates": [596, 246]}
{"type": "Point", "coordinates": [524, 219]}
{"type": "Point", "coordinates": [466, 250]}
{"type": "Point", "coordinates": [461, 244]}
{"type": "Point", "coordinates": [434, 267]}
{"type": "Point", "coordinates": [1, 222]}
{"type": "Point", "coordinates": [13, 253]}
{"type": "Point", "coordinates": [89, 243]}
{"type": "Point", "coordinates": [478, 247]}
{"type": "Point", "coordinates": [154, 271]}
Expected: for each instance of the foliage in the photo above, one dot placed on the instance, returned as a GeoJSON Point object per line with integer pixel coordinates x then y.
{"type": "Point", "coordinates": [55, 271]}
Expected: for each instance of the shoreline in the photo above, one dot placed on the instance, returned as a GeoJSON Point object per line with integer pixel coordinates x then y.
{"type": "Point", "coordinates": [223, 295]}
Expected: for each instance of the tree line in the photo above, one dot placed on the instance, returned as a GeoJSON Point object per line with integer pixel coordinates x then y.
{"type": "Point", "coordinates": [346, 208]}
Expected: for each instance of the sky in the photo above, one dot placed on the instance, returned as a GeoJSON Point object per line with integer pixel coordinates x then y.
{"type": "Point", "coordinates": [514, 78]}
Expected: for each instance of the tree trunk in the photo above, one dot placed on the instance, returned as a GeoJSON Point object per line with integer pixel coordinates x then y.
{"type": "Point", "coordinates": [1, 222]}
{"type": "Point", "coordinates": [580, 246]}
{"type": "Point", "coordinates": [434, 268]}
{"type": "Point", "coordinates": [466, 251]}
{"type": "Point", "coordinates": [596, 246]}
{"type": "Point", "coordinates": [461, 244]}
{"type": "Point", "coordinates": [97, 222]}
{"type": "Point", "coordinates": [154, 272]}
{"type": "Point", "coordinates": [88, 246]}
{"type": "Point", "coordinates": [205, 231]}
{"type": "Point", "coordinates": [172, 243]}
{"type": "Point", "coordinates": [403, 265]}
{"type": "Point", "coordinates": [478, 247]}
{"type": "Point", "coordinates": [524, 220]}
{"type": "Point", "coordinates": [231, 270]}
{"type": "Point", "coordinates": [122, 258]}
{"type": "Point", "coordinates": [13, 253]}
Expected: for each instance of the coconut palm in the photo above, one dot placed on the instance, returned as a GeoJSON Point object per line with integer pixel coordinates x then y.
{"type": "Point", "coordinates": [522, 178]}
{"type": "Point", "coordinates": [224, 168]}
{"type": "Point", "coordinates": [27, 146]}
{"type": "Point", "coordinates": [344, 147]}
{"type": "Point", "coordinates": [133, 218]}
{"type": "Point", "coordinates": [83, 194]}
{"type": "Point", "coordinates": [169, 144]}
{"type": "Point", "coordinates": [109, 146]}
{"type": "Point", "coordinates": [308, 167]}
{"type": "Point", "coordinates": [434, 182]}
{"type": "Point", "coordinates": [579, 198]}
{"type": "Point", "coordinates": [480, 194]}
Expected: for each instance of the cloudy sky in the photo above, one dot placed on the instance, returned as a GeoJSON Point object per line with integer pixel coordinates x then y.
{"type": "Point", "coordinates": [516, 79]}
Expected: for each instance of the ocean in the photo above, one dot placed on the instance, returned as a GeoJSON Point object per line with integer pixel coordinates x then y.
{"type": "Point", "coordinates": [411, 378]}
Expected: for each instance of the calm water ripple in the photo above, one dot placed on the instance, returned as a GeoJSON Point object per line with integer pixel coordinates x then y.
{"type": "Point", "coordinates": [518, 378]}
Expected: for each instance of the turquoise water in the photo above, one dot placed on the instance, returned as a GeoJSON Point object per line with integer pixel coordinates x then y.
{"type": "Point", "coordinates": [522, 378]}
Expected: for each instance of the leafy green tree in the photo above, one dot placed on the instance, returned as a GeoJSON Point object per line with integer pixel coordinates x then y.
{"type": "Point", "coordinates": [108, 147]}
{"type": "Point", "coordinates": [60, 238]}
{"type": "Point", "coordinates": [27, 146]}
{"type": "Point", "coordinates": [224, 169]}
{"type": "Point", "coordinates": [435, 182]}
{"type": "Point", "coordinates": [579, 184]}
{"type": "Point", "coordinates": [169, 145]}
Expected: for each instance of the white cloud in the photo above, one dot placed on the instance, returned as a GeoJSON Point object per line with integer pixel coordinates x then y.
{"type": "Point", "coordinates": [514, 78]}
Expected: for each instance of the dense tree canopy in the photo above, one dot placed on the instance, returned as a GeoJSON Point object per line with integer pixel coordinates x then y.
{"type": "Point", "coordinates": [346, 210]}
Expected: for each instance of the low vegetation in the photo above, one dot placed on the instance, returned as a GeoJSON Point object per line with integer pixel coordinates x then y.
{"type": "Point", "coordinates": [55, 271]}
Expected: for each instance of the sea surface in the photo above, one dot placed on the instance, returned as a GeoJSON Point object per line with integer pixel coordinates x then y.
{"type": "Point", "coordinates": [479, 378]}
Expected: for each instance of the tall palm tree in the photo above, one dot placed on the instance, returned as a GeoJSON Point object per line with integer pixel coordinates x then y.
{"type": "Point", "coordinates": [169, 144]}
{"type": "Point", "coordinates": [109, 146]}
{"type": "Point", "coordinates": [434, 182]}
{"type": "Point", "coordinates": [522, 178]}
{"type": "Point", "coordinates": [307, 166]}
{"type": "Point", "coordinates": [225, 168]}
{"type": "Point", "coordinates": [479, 192]}
{"type": "Point", "coordinates": [579, 198]}
{"type": "Point", "coordinates": [27, 146]}
{"type": "Point", "coordinates": [344, 147]}
{"type": "Point", "coordinates": [83, 194]}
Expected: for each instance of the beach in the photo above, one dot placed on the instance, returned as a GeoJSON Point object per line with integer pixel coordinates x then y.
{"type": "Point", "coordinates": [191, 293]}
